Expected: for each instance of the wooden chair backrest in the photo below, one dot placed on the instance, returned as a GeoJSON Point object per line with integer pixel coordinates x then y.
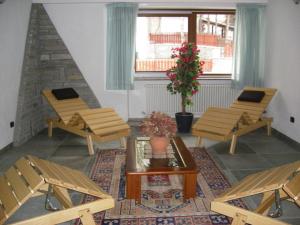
{"type": "Point", "coordinates": [254, 110]}
{"type": "Point", "coordinates": [263, 181]}
{"type": "Point", "coordinates": [66, 177]}
{"type": "Point", "coordinates": [27, 176]}
{"type": "Point", "coordinates": [218, 120]}
{"type": "Point", "coordinates": [65, 109]}
{"type": "Point", "coordinates": [16, 186]}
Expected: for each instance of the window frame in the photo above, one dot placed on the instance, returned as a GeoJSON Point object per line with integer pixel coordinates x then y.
{"type": "Point", "coordinates": [191, 15]}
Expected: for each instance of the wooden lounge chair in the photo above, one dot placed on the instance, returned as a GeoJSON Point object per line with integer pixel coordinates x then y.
{"type": "Point", "coordinates": [31, 176]}
{"type": "Point", "coordinates": [74, 115]}
{"type": "Point", "coordinates": [223, 124]}
{"type": "Point", "coordinates": [280, 183]}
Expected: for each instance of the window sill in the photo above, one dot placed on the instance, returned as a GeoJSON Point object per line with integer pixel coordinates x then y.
{"type": "Point", "coordinates": [157, 78]}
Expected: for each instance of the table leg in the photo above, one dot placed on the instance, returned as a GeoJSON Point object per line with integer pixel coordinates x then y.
{"type": "Point", "coordinates": [133, 187]}
{"type": "Point", "coordinates": [189, 188]}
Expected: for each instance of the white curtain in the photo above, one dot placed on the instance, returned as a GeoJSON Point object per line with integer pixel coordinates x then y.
{"type": "Point", "coordinates": [249, 53]}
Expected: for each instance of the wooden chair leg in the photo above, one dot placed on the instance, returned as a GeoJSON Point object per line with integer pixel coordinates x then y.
{"type": "Point", "coordinates": [266, 203]}
{"type": "Point", "coordinates": [239, 219]}
{"type": "Point", "coordinates": [86, 217]}
{"type": "Point", "coordinates": [89, 141]}
{"type": "Point", "coordinates": [50, 128]}
{"type": "Point", "coordinates": [123, 142]}
{"type": "Point", "coordinates": [199, 142]}
{"type": "Point", "coordinates": [233, 144]}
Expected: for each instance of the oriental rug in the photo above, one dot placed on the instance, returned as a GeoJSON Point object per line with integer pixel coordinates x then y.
{"type": "Point", "coordinates": [162, 201]}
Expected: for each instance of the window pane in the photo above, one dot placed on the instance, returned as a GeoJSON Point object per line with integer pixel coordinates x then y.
{"type": "Point", "coordinates": [215, 40]}
{"type": "Point", "coordinates": [155, 37]}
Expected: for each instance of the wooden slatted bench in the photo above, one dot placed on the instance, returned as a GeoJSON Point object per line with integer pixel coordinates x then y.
{"type": "Point", "coordinates": [74, 115]}
{"type": "Point", "coordinates": [30, 175]}
{"type": "Point", "coordinates": [280, 183]}
{"type": "Point", "coordinates": [224, 124]}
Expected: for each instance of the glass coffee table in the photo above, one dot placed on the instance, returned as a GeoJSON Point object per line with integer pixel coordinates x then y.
{"type": "Point", "coordinates": [141, 161]}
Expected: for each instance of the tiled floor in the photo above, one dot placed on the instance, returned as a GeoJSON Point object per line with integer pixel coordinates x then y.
{"type": "Point", "coordinates": [255, 152]}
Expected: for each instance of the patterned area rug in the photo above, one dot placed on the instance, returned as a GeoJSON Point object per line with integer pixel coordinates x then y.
{"type": "Point", "coordinates": [162, 201]}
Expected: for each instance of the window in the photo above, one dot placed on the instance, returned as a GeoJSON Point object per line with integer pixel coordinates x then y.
{"type": "Point", "coordinates": [212, 31]}
{"type": "Point", "coordinates": [215, 40]}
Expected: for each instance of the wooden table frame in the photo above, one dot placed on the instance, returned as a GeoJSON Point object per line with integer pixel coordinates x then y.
{"type": "Point", "coordinates": [133, 174]}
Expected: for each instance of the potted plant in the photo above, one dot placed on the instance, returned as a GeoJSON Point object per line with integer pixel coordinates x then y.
{"type": "Point", "coordinates": [183, 77]}
{"type": "Point", "coordinates": [160, 128]}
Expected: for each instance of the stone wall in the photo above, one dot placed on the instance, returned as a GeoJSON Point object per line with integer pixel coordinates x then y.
{"type": "Point", "coordinates": [47, 64]}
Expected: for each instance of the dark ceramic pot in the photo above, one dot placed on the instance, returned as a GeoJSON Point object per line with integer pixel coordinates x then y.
{"type": "Point", "coordinates": [184, 122]}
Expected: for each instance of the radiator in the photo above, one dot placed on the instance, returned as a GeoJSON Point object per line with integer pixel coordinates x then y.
{"type": "Point", "coordinates": [217, 95]}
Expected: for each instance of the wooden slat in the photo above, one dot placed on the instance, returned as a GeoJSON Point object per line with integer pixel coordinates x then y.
{"type": "Point", "coordinates": [69, 178]}
{"type": "Point", "coordinates": [95, 126]}
{"type": "Point", "coordinates": [263, 181]}
{"type": "Point", "coordinates": [223, 111]}
{"type": "Point", "coordinates": [86, 217]}
{"type": "Point", "coordinates": [67, 114]}
{"type": "Point", "coordinates": [72, 108]}
{"type": "Point", "coordinates": [18, 184]}
{"type": "Point", "coordinates": [252, 217]}
{"type": "Point", "coordinates": [64, 215]}
{"type": "Point", "coordinates": [95, 115]}
{"type": "Point", "coordinates": [236, 189]}
{"type": "Point", "coordinates": [247, 107]}
{"type": "Point", "coordinates": [223, 115]}
{"type": "Point", "coordinates": [212, 129]}
{"type": "Point", "coordinates": [217, 119]}
{"type": "Point", "coordinates": [269, 91]}
{"type": "Point", "coordinates": [45, 172]}
{"type": "Point", "coordinates": [79, 181]}
{"type": "Point", "coordinates": [63, 196]}
{"type": "Point", "coordinates": [213, 123]}
{"type": "Point", "coordinates": [2, 215]}
{"type": "Point", "coordinates": [280, 177]}
{"type": "Point", "coordinates": [196, 132]}
{"type": "Point", "coordinates": [109, 130]}
{"type": "Point", "coordinates": [7, 198]}
{"type": "Point", "coordinates": [96, 111]}
{"type": "Point", "coordinates": [292, 188]}
{"type": "Point", "coordinates": [60, 106]}
{"type": "Point", "coordinates": [71, 104]}
{"type": "Point", "coordinates": [30, 175]}
{"type": "Point", "coordinates": [103, 119]}
{"type": "Point", "coordinates": [260, 183]}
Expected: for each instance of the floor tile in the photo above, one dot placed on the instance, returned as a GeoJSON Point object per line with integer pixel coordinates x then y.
{"type": "Point", "coordinates": [244, 161]}
{"type": "Point", "coordinates": [280, 159]}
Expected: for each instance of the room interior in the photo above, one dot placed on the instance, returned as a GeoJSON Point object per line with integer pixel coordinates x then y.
{"type": "Point", "coordinates": [62, 43]}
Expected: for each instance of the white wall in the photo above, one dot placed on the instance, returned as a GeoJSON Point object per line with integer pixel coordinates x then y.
{"type": "Point", "coordinates": [83, 29]}
{"type": "Point", "coordinates": [283, 64]}
{"type": "Point", "coordinates": [83, 26]}
{"type": "Point", "coordinates": [14, 18]}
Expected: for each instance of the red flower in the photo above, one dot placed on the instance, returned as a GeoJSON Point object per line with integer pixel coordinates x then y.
{"type": "Point", "coordinates": [184, 75]}
{"type": "Point", "coordinates": [194, 92]}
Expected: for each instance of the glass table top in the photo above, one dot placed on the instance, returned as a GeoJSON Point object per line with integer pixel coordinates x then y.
{"type": "Point", "coordinates": [146, 159]}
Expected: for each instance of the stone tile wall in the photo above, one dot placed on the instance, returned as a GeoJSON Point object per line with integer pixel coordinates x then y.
{"type": "Point", "coordinates": [47, 64]}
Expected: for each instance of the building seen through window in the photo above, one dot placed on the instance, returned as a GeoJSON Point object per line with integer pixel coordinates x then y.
{"type": "Point", "coordinates": [157, 35]}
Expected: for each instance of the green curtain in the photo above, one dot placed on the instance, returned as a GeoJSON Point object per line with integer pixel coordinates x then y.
{"type": "Point", "coordinates": [121, 24]}
{"type": "Point", "coordinates": [249, 54]}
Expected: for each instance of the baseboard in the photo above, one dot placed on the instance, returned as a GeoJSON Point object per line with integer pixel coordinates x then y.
{"type": "Point", "coordinates": [6, 147]}
{"type": "Point", "coordinates": [289, 141]}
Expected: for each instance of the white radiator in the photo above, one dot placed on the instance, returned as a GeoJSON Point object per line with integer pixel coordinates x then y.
{"type": "Point", "coordinates": [159, 99]}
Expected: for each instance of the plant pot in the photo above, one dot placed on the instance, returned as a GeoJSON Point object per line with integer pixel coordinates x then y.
{"type": "Point", "coordinates": [159, 145]}
{"type": "Point", "coordinates": [184, 122]}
